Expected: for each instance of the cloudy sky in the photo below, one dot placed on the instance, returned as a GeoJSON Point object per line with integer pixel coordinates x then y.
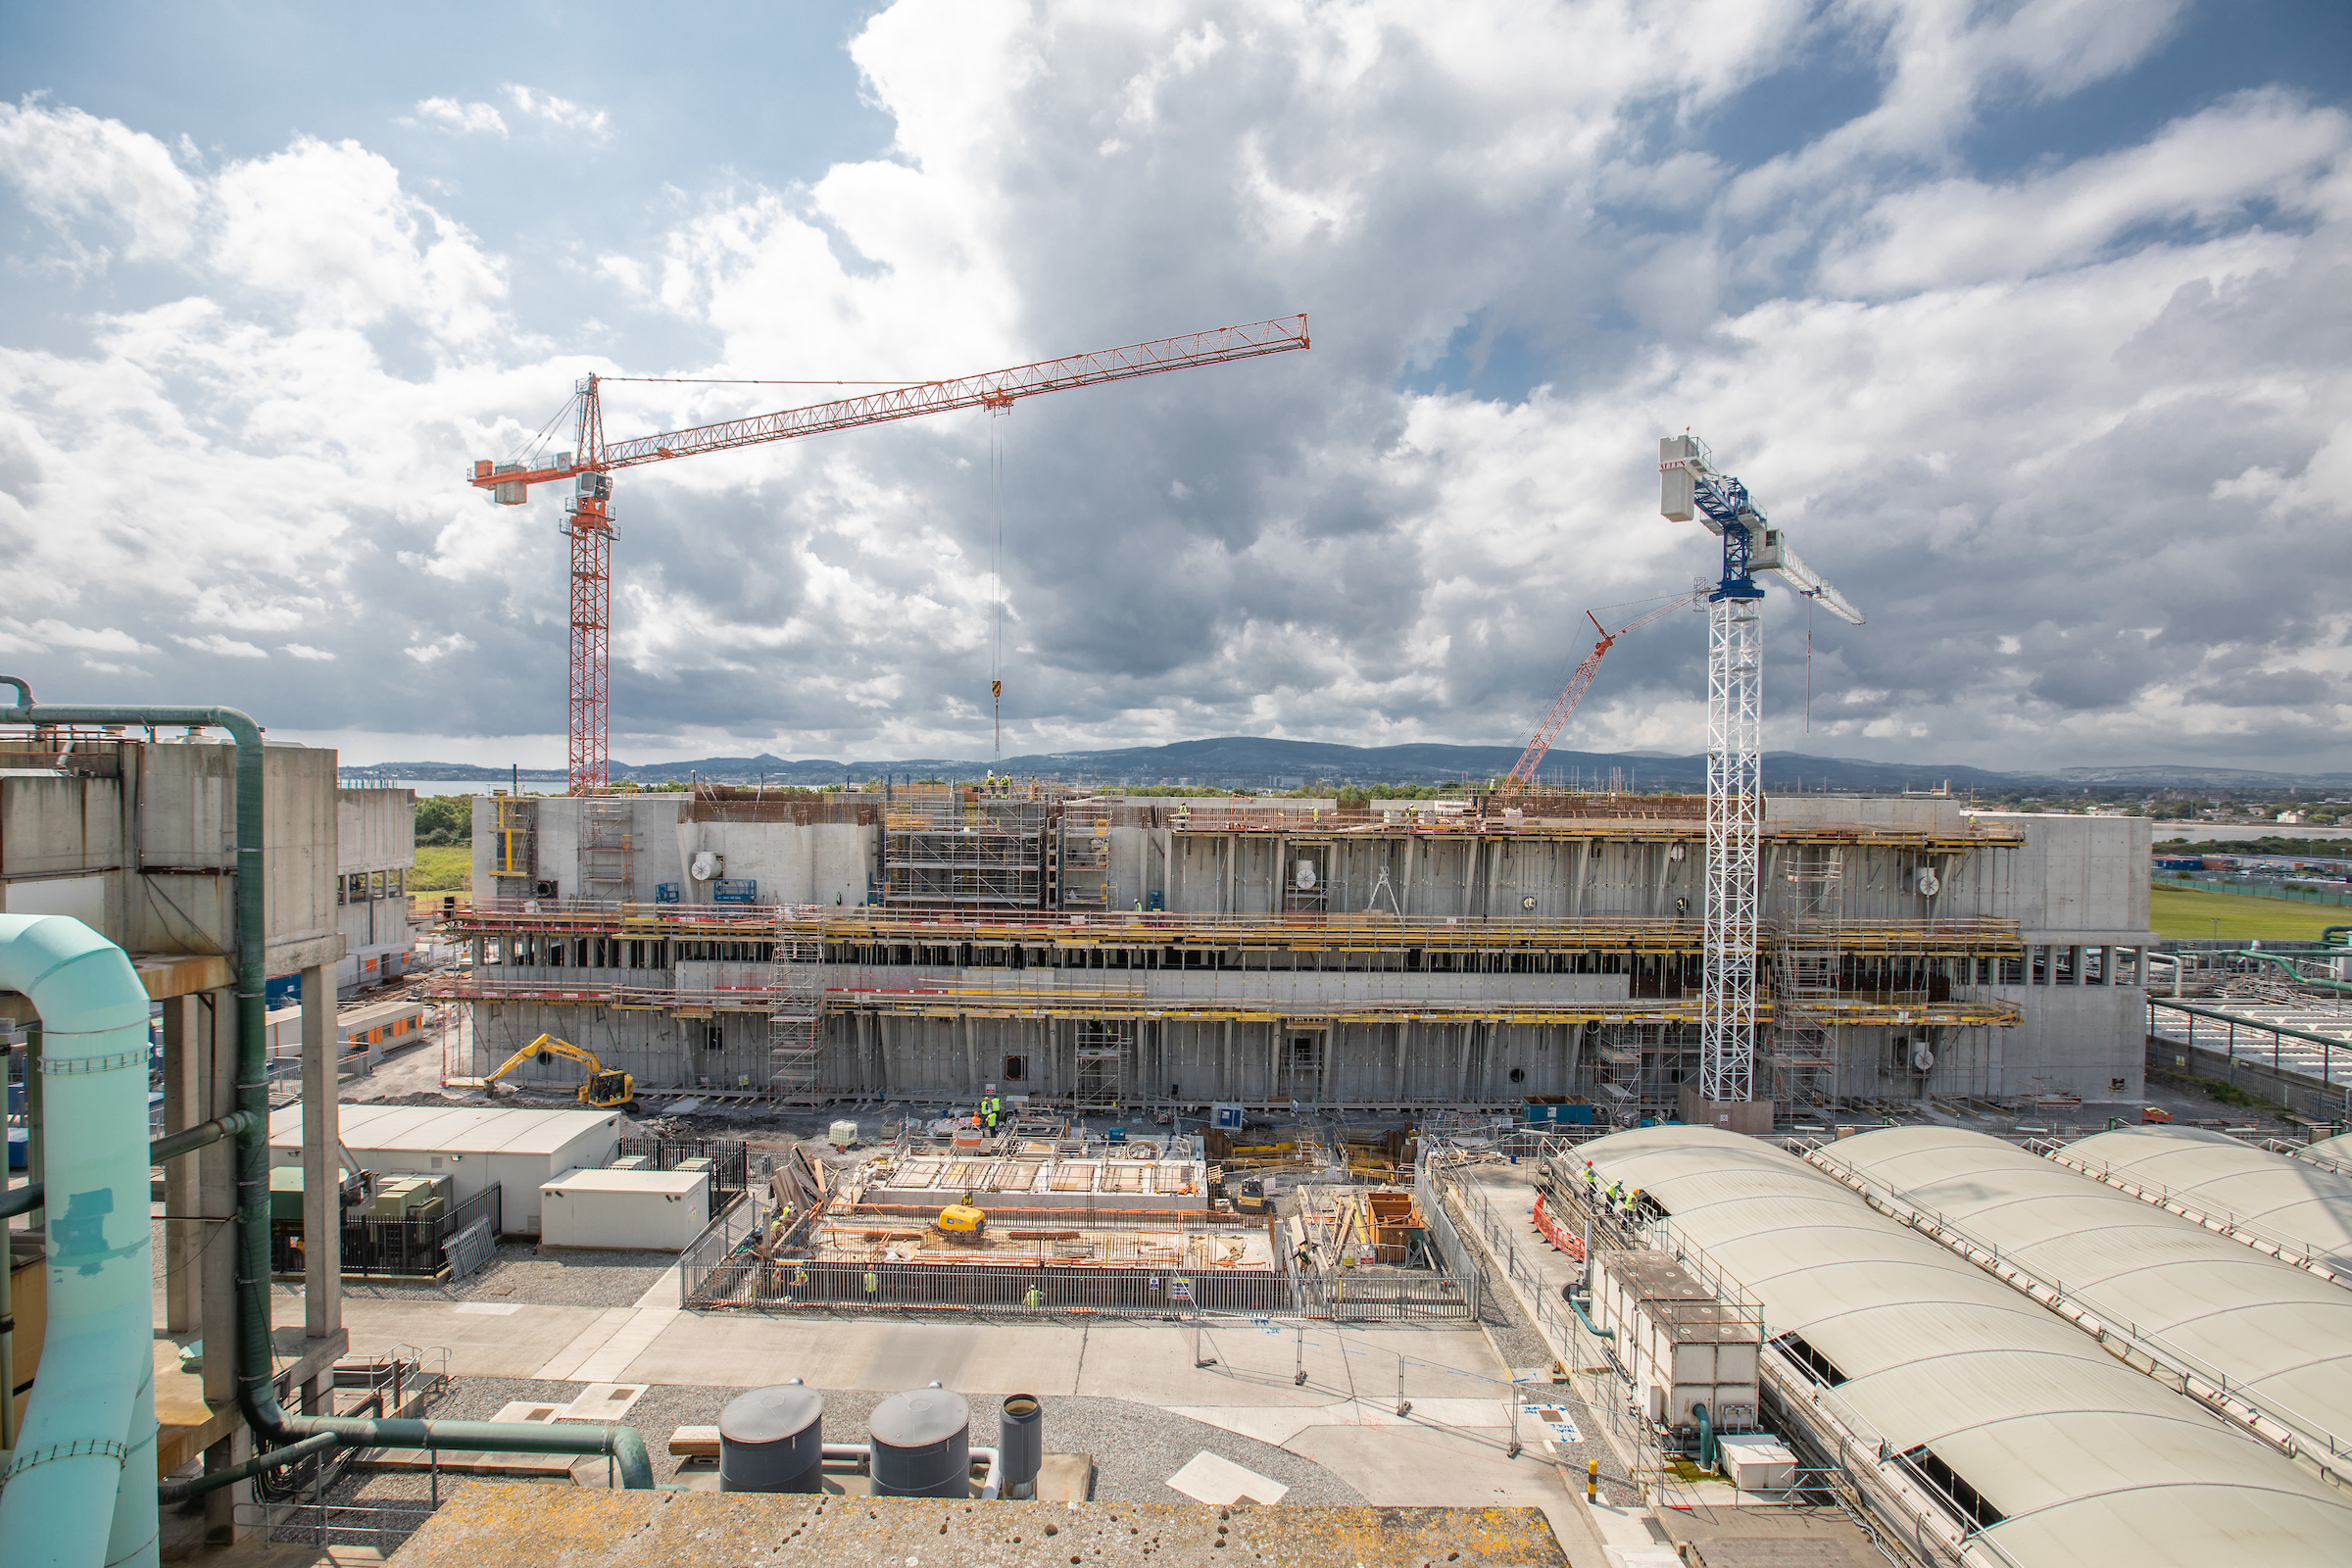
{"type": "Point", "coordinates": [2027, 319]}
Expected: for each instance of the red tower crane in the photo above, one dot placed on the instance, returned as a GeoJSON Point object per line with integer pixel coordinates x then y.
{"type": "Point", "coordinates": [588, 520]}
{"type": "Point", "coordinates": [1523, 773]}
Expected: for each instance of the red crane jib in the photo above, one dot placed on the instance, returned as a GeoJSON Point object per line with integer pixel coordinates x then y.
{"type": "Point", "coordinates": [590, 526]}
{"type": "Point", "coordinates": [1523, 772]}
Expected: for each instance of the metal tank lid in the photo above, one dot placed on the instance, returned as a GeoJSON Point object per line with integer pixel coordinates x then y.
{"type": "Point", "coordinates": [771, 1415]}
{"type": "Point", "coordinates": [919, 1418]}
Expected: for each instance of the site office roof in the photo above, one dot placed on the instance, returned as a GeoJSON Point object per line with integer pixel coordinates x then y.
{"type": "Point", "coordinates": [450, 1131]}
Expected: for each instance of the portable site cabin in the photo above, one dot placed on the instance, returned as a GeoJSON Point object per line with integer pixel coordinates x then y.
{"type": "Point", "coordinates": [474, 1145]}
{"type": "Point", "coordinates": [651, 1210]}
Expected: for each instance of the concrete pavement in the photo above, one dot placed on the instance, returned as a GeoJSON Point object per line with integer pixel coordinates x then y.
{"type": "Point", "coordinates": [1451, 1451]}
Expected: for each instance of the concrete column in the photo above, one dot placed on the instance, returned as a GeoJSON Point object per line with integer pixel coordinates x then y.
{"type": "Point", "coordinates": [322, 1158]}
{"type": "Point", "coordinates": [215, 1015]}
{"type": "Point", "coordinates": [1404, 1039]}
{"type": "Point", "coordinates": [1225, 1064]}
{"type": "Point", "coordinates": [185, 1060]}
{"type": "Point", "coordinates": [216, 1196]}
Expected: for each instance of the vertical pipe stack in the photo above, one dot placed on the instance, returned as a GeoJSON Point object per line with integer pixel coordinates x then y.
{"type": "Point", "coordinates": [1020, 1444]}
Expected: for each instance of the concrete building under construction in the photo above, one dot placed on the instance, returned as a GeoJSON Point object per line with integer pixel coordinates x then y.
{"type": "Point", "coordinates": [1099, 951]}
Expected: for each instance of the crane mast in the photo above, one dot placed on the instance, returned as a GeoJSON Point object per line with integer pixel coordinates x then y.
{"type": "Point", "coordinates": [1689, 487]}
{"type": "Point", "coordinates": [588, 513]}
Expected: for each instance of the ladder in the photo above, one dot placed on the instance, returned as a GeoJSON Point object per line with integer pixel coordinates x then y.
{"type": "Point", "coordinates": [796, 1007]}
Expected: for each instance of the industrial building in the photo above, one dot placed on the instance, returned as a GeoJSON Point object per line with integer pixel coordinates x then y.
{"type": "Point", "coordinates": [475, 1148]}
{"type": "Point", "coordinates": [2002, 1431]}
{"type": "Point", "coordinates": [1098, 952]}
{"type": "Point", "coordinates": [2273, 1342]}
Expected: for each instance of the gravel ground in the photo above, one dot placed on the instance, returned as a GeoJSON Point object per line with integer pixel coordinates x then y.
{"type": "Point", "coordinates": [521, 1273]}
{"type": "Point", "coordinates": [1135, 1449]}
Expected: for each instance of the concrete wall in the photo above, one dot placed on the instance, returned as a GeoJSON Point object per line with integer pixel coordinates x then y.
{"type": "Point", "coordinates": [951, 1058]}
{"type": "Point", "coordinates": [146, 857]}
{"type": "Point", "coordinates": [375, 830]}
{"type": "Point", "coordinates": [2074, 883]}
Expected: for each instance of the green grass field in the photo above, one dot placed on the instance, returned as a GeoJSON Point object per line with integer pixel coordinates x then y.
{"type": "Point", "coordinates": [442, 868]}
{"type": "Point", "coordinates": [2184, 912]}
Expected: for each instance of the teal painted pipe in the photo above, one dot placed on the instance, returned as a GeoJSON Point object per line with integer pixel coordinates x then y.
{"type": "Point", "coordinates": [79, 1491]}
{"type": "Point", "coordinates": [257, 1392]}
{"type": "Point", "coordinates": [1591, 1327]}
{"type": "Point", "coordinates": [187, 1141]}
{"type": "Point", "coordinates": [2341, 987]}
{"type": "Point", "coordinates": [1706, 1437]}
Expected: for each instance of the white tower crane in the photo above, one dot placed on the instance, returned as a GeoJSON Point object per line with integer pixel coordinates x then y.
{"type": "Point", "coordinates": [1690, 487]}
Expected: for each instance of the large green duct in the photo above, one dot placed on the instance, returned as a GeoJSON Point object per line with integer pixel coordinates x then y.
{"type": "Point", "coordinates": [81, 1487]}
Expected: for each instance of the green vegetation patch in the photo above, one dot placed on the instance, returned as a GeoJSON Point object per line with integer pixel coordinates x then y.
{"type": "Point", "coordinates": [444, 819]}
{"type": "Point", "coordinates": [442, 868]}
{"type": "Point", "coordinates": [2182, 913]}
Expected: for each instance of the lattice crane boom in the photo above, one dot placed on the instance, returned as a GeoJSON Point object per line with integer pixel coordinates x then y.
{"type": "Point", "coordinates": [1523, 772]}
{"type": "Point", "coordinates": [588, 519]}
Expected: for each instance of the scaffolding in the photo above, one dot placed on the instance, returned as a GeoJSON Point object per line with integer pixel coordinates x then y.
{"type": "Point", "coordinates": [1102, 1047]}
{"type": "Point", "coordinates": [513, 852]}
{"type": "Point", "coordinates": [1808, 973]}
{"type": "Point", "coordinates": [796, 1008]}
{"type": "Point", "coordinates": [605, 845]}
{"type": "Point", "coordinates": [966, 846]}
{"type": "Point", "coordinates": [1078, 856]}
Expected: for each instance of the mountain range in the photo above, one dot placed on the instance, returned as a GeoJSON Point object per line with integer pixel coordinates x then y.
{"type": "Point", "coordinates": [1253, 762]}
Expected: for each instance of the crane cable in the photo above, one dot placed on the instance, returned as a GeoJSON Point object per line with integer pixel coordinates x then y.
{"type": "Point", "coordinates": [996, 593]}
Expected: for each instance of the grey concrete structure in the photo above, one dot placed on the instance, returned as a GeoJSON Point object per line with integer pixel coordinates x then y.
{"type": "Point", "coordinates": [133, 835]}
{"type": "Point", "coordinates": [1105, 951]}
{"type": "Point", "coordinates": [375, 848]}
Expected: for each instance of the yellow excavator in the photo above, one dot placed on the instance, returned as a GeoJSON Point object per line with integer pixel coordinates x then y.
{"type": "Point", "coordinates": [607, 1088]}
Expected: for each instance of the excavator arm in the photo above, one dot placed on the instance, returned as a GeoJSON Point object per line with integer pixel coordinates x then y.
{"type": "Point", "coordinates": [604, 1089]}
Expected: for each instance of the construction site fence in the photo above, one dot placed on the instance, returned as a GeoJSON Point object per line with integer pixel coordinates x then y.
{"type": "Point", "coordinates": [397, 1249]}
{"type": "Point", "coordinates": [721, 1270]}
{"type": "Point", "coordinates": [1032, 1287]}
{"type": "Point", "coordinates": [2248, 888]}
{"type": "Point", "coordinates": [730, 1162]}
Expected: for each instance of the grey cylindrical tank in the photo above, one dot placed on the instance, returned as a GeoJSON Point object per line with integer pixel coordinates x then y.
{"type": "Point", "coordinates": [1020, 1444]}
{"type": "Point", "coordinates": [922, 1445]}
{"type": "Point", "coordinates": [772, 1440]}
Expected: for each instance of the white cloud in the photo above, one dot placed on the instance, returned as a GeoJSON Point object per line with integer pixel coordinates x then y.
{"type": "Point", "coordinates": [221, 646]}
{"type": "Point", "coordinates": [2262, 149]}
{"type": "Point", "coordinates": [439, 648]}
{"type": "Point", "coordinates": [327, 226]}
{"type": "Point", "coordinates": [47, 635]}
{"type": "Point", "coordinates": [72, 166]}
{"type": "Point", "coordinates": [2045, 423]}
{"type": "Point", "coordinates": [448, 113]}
{"type": "Point", "coordinates": [560, 113]}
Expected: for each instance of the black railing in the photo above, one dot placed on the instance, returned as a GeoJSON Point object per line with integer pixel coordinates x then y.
{"type": "Point", "coordinates": [402, 1249]}
{"type": "Point", "coordinates": [730, 1162]}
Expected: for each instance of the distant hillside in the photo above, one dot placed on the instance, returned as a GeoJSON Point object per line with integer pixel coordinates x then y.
{"type": "Point", "coordinates": [1241, 762]}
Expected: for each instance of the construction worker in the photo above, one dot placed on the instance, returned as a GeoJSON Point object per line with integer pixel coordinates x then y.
{"type": "Point", "coordinates": [1033, 1297]}
{"type": "Point", "coordinates": [873, 1286]}
{"type": "Point", "coordinates": [989, 1108]}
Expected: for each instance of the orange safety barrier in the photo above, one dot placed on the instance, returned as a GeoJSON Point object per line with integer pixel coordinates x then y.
{"type": "Point", "coordinates": [1572, 1246]}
